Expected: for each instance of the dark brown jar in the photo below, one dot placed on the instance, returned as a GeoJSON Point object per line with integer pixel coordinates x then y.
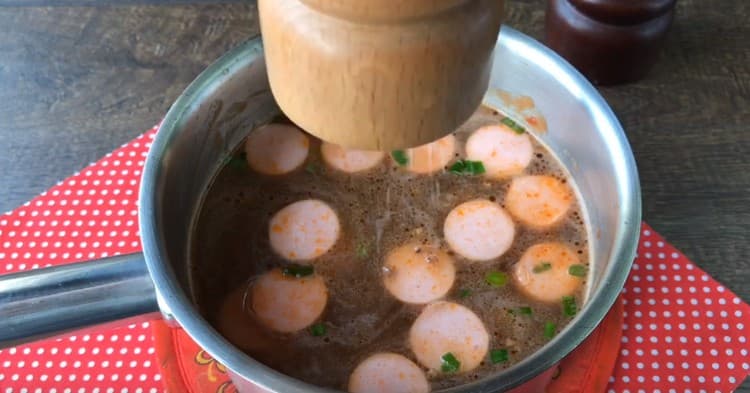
{"type": "Point", "coordinates": [609, 41]}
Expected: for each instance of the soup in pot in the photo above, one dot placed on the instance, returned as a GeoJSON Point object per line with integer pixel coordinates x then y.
{"type": "Point", "coordinates": [406, 271]}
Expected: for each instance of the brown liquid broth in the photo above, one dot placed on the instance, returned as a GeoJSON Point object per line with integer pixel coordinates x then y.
{"type": "Point", "coordinates": [382, 209]}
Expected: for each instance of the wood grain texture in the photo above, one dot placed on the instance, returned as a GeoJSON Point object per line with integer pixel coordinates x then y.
{"type": "Point", "coordinates": [386, 80]}
{"type": "Point", "coordinates": [108, 3]}
{"type": "Point", "coordinates": [76, 82]}
{"type": "Point", "coordinates": [689, 125]}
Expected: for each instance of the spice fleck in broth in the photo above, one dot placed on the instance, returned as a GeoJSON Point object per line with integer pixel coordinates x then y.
{"type": "Point", "coordinates": [337, 268]}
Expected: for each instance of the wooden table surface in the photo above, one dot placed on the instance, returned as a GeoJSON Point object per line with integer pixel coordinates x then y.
{"type": "Point", "coordinates": [78, 80]}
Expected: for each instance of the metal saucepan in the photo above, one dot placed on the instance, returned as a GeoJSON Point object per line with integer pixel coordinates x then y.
{"type": "Point", "coordinates": [213, 116]}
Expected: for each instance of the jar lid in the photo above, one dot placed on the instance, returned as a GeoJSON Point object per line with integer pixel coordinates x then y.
{"type": "Point", "coordinates": [623, 12]}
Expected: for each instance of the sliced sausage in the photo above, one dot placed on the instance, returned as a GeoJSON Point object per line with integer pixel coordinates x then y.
{"type": "Point", "coordinates": [304, 230]}
{"type": "Point", "coordinates": [350, 160]}
{"type": "Point", "coordinates": [448, 328]}
{"type": "Point", "coordinates": [388, 373]}
{"type": "Point", "coordinates": [538, 201]}
{"type": "Point", "coordinates": [431, 157]}
{"type": "Point", "coordinates": [479, 230]}
{"type": "Point", "coordinates": [276, 149]}
{"type": "Point", "coordinates": [286, 303]}
{"type": "Point", "coordinates": [416, 273]}
{"type": "Point", "coordinates": [502, 151]}
{"type": "Point", "coordinates": [543, 272]}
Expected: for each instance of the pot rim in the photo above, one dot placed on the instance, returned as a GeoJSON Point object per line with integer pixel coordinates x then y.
{"type": "Point", "coordinates": [176, 304]}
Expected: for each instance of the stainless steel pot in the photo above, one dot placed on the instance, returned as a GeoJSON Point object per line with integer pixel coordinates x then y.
{"type": "Point", "coordinates": [213, 116]}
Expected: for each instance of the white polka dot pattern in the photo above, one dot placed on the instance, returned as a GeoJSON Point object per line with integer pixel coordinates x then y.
{"type": "Point", "coordinates": [683, 331]}
{"type": "Point", "coordinates": [92, 214]}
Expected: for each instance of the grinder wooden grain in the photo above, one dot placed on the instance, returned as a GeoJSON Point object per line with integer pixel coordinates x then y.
{"type": "Point", "coordinates": [379, 74]}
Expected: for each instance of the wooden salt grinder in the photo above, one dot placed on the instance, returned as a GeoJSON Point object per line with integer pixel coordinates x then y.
{"type": "Point", "coordinates": [379, 74]}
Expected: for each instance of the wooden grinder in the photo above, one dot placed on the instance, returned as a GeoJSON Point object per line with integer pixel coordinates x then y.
{"type": "Point", "coordinates": [379, 74]}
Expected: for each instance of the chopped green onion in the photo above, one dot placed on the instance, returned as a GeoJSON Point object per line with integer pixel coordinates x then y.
{"type": "Point", "coordinates": [464, 293]}
{"type": "Point", "coordinates": [400, 157]}
{"type": "Point", "coordinates": [449, 363]}
{"type": "Point", "coordinates": [513, 125]}
{"type": "Point", "coordinates": [569, 305]}
{"type": "Point", "coordinates": [298, 271]}
{"type": "Point", "coordinates": [311, 168]}
{"type": "Point", "coordinates": [496, 279]}
{"type": "Point", "coordinates": [466, 167]}
{"type": "Point", "coordinates": [542, 267]}
{"type": "Point", "coordinates": [549, 329]}
{"type": "Point", "coordinates": [499, 356]}
{"type": "Point", "coordinates": [238, 162]}
{"type": "Point", "coordinates": [525, 310]}
{"type": "Point", "coordinates": [318, 330]}
{"type": "Point", "coordinates": [363, 250]}
{"type": "Point", "coordinates": [577, 270]}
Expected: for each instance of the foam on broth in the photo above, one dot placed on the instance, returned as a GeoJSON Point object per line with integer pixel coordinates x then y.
{"type": "Point", "coordinates": [378, 211]}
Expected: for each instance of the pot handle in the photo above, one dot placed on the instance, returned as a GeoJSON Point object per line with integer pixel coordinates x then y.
{"type": "Point", "coordinates": [41, 303]}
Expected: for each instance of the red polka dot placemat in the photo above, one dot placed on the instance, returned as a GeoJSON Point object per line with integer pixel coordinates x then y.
{"type": "Point", "coordinates": [681, 330]}
{"type": "Point", "coordinates": [91, 214]}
